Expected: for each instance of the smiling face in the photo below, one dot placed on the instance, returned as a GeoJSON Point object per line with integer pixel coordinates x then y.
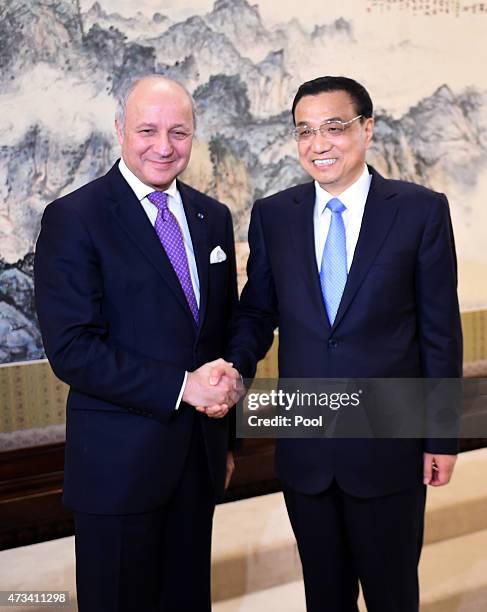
{"type": "Point", "coordinates": [157, 136]}
{"type": "Point", "coordinates": [337, 161]}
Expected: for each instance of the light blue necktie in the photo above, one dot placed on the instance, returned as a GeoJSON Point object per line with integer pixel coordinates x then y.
{"type": "Point", "coordinates": [333, 271]}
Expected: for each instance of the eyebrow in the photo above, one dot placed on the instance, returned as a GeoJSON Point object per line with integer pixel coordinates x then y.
{"type": "Point", "coordinates": [324, 121]}
{"type": "Point", "coordinates": [153, 125]}
{"type": "Point", "coordinates": [141, 125]}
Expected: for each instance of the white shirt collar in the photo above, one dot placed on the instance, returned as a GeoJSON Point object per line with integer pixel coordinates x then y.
{"type": "Point", "coordinates": [353, 197]}
{"type": "Point", "coordinates": [140, 189]}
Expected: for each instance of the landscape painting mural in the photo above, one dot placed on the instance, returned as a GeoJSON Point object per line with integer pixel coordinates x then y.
{"type": "Point", "coordinates": [63, 62]}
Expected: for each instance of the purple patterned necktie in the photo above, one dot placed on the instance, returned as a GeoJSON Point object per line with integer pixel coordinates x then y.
{"type": "Point", "coordinates": [169, 233]}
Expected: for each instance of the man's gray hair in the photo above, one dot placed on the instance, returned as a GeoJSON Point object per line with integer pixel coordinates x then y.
{"type": "Point", "coordinates": [125, 92]}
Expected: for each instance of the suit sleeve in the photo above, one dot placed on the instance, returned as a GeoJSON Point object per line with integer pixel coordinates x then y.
{"type": "Point", "coordinates": [232, 301]}
{"type": "Point", "coordinates": [439, 321]}
{"type": "Point", "coordinates": [257, 314]}
{"type": "Point", "coordinates": [68, 292]}
{"type": "Point", "coordinates": [232, 296]}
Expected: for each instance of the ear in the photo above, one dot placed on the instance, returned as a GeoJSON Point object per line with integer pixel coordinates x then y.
{"type": "Point", "coordinates": [369, 131]}
{"type": "Point", "coordinates": [119, 132]}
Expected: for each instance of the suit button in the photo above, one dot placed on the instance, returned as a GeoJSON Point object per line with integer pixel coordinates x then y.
{"type": "Point", "coordinates": [332, 343]}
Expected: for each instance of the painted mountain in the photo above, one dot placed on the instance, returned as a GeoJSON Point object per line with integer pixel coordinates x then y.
{"type": "Point", "coordinates": [61, 69]}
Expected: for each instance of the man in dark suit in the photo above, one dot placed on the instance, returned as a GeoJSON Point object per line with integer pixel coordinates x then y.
{"type": "Point", "coordinates": [135, 286]}
{"type": "Point", "coordinates": [359, 274]}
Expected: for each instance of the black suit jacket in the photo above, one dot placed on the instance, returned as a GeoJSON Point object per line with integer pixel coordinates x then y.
{"type": "Point", "coordinates": [398, 318]}
{"type": "Point", "coordinates": [117, 328]}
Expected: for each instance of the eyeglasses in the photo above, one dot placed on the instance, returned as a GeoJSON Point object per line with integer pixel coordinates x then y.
{"type": "Point", "coordinates": [330, 128]}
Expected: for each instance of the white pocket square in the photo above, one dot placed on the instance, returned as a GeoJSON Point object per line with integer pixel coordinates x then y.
{"type": "Point", "coordinates": [217, 255]}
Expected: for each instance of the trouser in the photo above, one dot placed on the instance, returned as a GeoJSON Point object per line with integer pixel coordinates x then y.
{"type": "Point", "coordinates": [343, 539]}
{"type": "Point", "coordinates": [158, 561]}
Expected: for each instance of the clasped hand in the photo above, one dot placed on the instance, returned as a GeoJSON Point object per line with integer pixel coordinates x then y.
{"type": "Point", "coordinates": [213, 388]}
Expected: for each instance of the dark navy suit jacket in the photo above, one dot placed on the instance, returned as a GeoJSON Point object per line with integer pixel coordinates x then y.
{"type": "Point", "coordinates": [398, 318]}
{"type": "Point", "coordinates": [117, 328]}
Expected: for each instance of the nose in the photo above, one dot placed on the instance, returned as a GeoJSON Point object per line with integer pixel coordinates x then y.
{"type": "Point", "coordinates": [321, 144]}
{"type": "Point", "coordinates": [163, 145]}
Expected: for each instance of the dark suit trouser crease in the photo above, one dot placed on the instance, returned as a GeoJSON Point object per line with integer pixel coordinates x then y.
{"type": "Point", "coordinates": [343, 539]}
{"type": "Point", "coordinates": [157, 561]}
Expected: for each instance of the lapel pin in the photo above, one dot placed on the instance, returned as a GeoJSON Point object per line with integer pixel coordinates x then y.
{"type": "Point", "coordinates": [201, 215]}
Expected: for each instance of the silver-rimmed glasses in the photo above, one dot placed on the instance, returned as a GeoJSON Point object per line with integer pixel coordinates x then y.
{"type": "Point", "coordinates": [331, 128]}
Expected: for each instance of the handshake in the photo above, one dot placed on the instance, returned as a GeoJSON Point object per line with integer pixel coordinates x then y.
{"type": "Point", "coordinates": [213, 388]}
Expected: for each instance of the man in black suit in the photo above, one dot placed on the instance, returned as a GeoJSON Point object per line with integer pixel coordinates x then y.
{"type": "Point", "coordinates": [359, 274]}
{"type": "Point", "coordinates": [135, 286]}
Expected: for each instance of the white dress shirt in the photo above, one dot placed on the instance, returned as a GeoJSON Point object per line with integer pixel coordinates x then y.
{"type": "Point", "coordinates": [354, 198]}
{"type": "Point", "coordinates": [175, 205]}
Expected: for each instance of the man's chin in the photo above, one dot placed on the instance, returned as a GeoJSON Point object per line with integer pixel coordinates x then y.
{"type": "Point", "coordinates": [160, 180]}
{"type": "Point", "coordinates": [325, 180]}
{"type": "Point", "coordinates": [322, 175]}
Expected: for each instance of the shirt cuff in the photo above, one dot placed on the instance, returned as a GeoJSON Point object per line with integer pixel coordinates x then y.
{"type": "Point", "coordinates": [180, 396]}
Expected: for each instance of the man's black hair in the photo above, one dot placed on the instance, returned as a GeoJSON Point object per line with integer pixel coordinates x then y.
{"type": "Point", "coordinates": [358, 93]}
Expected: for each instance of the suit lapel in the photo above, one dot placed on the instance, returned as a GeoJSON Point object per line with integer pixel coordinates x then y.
{"type": "Point", "coordinates": [130, 215]}
{"type": "Point", "coordinates": [301, 227]}
{"type": "Point", "coordinates": [197, 218]}
{"type": "Point", "coordinates": [379, 213]}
